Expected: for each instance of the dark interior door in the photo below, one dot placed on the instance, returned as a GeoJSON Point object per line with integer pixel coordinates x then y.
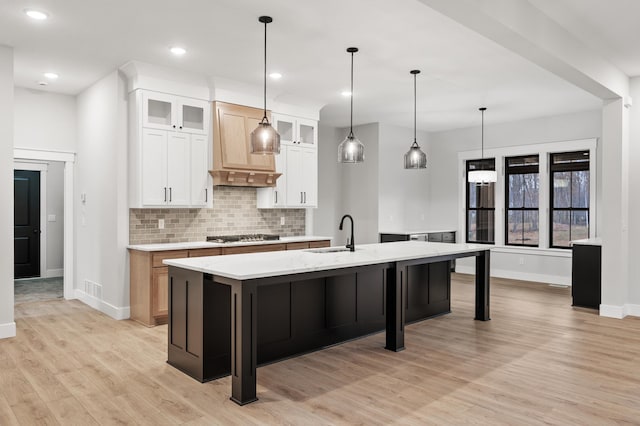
{"type": "Point", "coordinates": [26, 229]}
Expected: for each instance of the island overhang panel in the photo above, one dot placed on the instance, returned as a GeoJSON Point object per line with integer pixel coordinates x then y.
{"type": "Point", "coordinates": [227, 316]}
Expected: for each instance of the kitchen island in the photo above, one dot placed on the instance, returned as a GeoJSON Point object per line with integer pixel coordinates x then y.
{"type": "Point", "coordinates": [229, 314]}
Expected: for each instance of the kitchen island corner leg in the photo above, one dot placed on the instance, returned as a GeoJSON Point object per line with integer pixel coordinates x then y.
{"type": "Point", "coordinates": [244, 298]}
{"type": "Point", "coordinates": [482, 285]}
{"type": "Point", "coordinates": [396, 294]}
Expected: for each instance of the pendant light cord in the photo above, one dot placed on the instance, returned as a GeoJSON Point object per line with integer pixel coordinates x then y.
{"type": "Point", "coordinates": [264, 118]}
{"type": "Point", "coordinates": [351, 122]}
{"type": "Point", "coordinates": [482, 135]}
{"type": "Point", "coordinates": [415, 139]}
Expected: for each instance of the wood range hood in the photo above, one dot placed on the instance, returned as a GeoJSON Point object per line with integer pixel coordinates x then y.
{"type": "Point", "coordinates": [233, 163]}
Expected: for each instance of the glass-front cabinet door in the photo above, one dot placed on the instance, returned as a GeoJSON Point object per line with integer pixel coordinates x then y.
{"type": "Point", "coordinates": [193, 116]}
{"type": "Point", "coordinates": [286, 127]}
{"type": "Point", "coordinates": [158, 111]}
{"type": "Point", "coordinates": [307, 132]}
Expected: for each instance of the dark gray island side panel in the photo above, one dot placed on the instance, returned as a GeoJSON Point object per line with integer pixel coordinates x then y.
{"type": "Point", "coordinates": [300, 314]}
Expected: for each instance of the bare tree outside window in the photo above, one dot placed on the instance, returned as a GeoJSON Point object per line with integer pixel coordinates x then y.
{"type": "Point", "coordinates": [522, 200]}
{"type": "Point", "coordinates": [570, 183]}
{"type": "Point", "coordinates": [481, 205]}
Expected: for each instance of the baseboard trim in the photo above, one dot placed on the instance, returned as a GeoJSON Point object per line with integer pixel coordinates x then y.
{"type": "Point", "coordinates": [613, 311]}
{"type": "Point", "coordinates": [54, 273]}
{"type": "Point", "coordinates": [522, 276]}
{"type": "Point", "coordinates": [633, 310]}
{"type": "Point", "coordinates": [7, 330]}
{"type": "Point", "coordinates": [102, 306]}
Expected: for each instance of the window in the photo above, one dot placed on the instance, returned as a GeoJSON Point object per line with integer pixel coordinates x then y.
{"type": "Point", "coordinates": [522, 193]}
{"type": "Point", "coordinates": [480, 205]}
{"type": "Point", "coordinates": [569, 197]}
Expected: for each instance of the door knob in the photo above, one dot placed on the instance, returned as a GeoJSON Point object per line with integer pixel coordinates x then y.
{"type": "Point", "coordinates": [35, 231]}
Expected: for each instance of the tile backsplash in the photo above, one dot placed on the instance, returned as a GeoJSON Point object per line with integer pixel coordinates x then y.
{"type": "Point", "coordinates": [234, 212]}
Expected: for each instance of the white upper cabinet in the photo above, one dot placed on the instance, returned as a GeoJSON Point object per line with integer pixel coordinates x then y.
{"type": "Point", "coordinates": [170, 153]}
{"type": "Point", "coordinates": [169, 112]}
{"type": "Point", "coordinates": [298, 163]}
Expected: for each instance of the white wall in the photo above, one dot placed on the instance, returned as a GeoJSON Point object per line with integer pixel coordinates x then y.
{"type": "Point", "coordinates": [102, 220]}
{"type": "Point", "coordinates": [359, 187]}
{"type": "Point", "coordinates": [403, 204]}
{"type": "Point", "coordinates": [634, 198]}
{"type": "Point", "coordinates": [44, 120]}
{"type": "Point", "coordinates": [443, 179]}
{"type": "Point", "coordinates": [7, 324]}
{"type": "Point", "coordinates": [326, 217]}
{"type": "Point", "coordinates": [55, 229]}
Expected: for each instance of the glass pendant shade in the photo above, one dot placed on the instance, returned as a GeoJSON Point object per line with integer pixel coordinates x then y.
{"type": "Point", "coordinates": [482, 176]}
{"type": "Point", "coordinates": [265, 139]}
{"type": "Point", "coordinates": [415, 158]}
{"type": "Point", "coordinates": [351, 150]}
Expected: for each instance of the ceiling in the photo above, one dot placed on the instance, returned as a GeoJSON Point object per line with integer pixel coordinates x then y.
{"type": "Point", "coordinates": [84, 40]}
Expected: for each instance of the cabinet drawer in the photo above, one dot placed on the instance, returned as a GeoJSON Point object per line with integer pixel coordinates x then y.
{"type": "Point", "coordinates": [298, 246]}
{"type": "Point", "coordinates": [319, 244]}
{"type": "Point", "coordinates": [448, 237]}
{"type": "Point", "coordinates": [253, 249]}
{"type": "Point", "coordinates": [214, 251]}
{"type": "Point", "coordinates": [162, 255]}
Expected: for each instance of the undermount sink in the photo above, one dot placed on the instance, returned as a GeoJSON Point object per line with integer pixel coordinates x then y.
{"type": "Point", "coordinates": [328, 250]}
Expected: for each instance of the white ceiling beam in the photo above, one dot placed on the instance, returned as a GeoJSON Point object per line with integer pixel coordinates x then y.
{"type": "Point", "coordinates": [523, 29]}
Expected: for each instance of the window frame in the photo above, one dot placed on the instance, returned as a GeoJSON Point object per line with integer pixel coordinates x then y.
{"type": "Point", "coordinates": [570, 167]}
{"type": "Point", "coordinates": [522, 170]}
{"type": "Point", "coordinates": [484, 164]}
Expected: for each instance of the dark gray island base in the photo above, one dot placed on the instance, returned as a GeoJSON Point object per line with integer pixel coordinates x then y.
{"type": "Point", "coordinates": [220, 326]}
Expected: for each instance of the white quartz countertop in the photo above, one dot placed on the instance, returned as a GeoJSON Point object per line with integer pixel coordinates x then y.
{"type": "Point", "coordinates": [259, 265]}
{"type": "Point", "coordinates": [588, 242]}
{"type": "Point", "coordinates": [205, 244]}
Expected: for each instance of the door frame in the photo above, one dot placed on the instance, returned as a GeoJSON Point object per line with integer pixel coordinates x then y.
{"type": "Point", "coordinates": [43, 169]}
{"type": "Point", "coordinates": [68, 158]}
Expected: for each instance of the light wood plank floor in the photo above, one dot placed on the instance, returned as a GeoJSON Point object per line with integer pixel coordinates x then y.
{"type": "Point", "coordinates": [538, 361]}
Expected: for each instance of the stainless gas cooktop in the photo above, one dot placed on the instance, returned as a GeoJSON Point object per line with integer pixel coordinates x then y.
{"type": "Point", "coordinates": [242, 238]}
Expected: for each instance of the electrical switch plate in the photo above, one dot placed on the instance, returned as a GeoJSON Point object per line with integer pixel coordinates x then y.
{"type": "Point", "coordinates": [281, 220]}
{"type": "Point", "coordinates": [51, 218]}
{"type": "Point", "coordinates": [160, 223]}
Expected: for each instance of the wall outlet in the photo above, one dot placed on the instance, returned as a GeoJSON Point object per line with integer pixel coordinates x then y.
{"type": "Point", "coordinates": [160, 223]}
{"type": "Point", "coordinates": [51, 218]}
{"type": "Point", "coordinates": [281, 220]}
{"type": "Point", "coordinates": [521, 260]}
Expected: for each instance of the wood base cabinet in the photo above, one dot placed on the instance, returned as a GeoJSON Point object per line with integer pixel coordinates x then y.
{"type": "Point", "coordinates": [149, 297]}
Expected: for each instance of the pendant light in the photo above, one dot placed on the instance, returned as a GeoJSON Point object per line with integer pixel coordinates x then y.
{"type": "Point", "coordinates": [415, 158]}
{"type": "Point", "coordinates": [351, 150]}
{"type": "Point", "coordinates": [265, 139]}
{"type": "Point", "coordinates": [482, 177]}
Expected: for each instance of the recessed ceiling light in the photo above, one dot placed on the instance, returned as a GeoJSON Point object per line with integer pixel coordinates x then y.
{"type": "Point", "coordinates": [178, 51]}
{"type": "Point", "coordinates": [36, 14]}
{"type": "Point", "coordinates": [275, 75]}
{"type": "Point", "coordinates": [51, 75]}
{"type": "Point", "coordinates": [346, 93]}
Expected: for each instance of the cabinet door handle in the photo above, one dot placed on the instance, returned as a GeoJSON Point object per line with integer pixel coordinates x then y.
{"type": "Point", "coordinates": [165, 194]}
{"type": "Point", "coordinates": [206, 197]}
{"type": "Point", "coordinates": [276, 196]}
{"type": "Point", "coordinates": [174, 126]}
{"type": "Point", "coordinates": [305, 197]}
{"type": "Point", "coordinates": [301, 198]}
{"type": "Point", "coordinates": [170, 196]}
{"type": "Point", "coordinates": [181, 127]}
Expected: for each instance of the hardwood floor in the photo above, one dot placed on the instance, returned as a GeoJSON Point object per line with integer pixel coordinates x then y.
{"type": "Point", "coordinates": [538, 361]}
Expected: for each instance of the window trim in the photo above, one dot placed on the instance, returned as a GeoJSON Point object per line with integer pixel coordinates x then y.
{"type": "Point", "coordinates": [542, 149]}
{"type": "Point", "coordinates": [524, 170]}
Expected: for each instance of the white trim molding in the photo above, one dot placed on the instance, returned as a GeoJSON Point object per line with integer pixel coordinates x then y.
{"type": "Point", "coordinates": [54, 273]}
{"type": "Point", "coordinates": [7, 330]}
{"type": "Point", "coordinates": [117, 313]}
{"type": "Point", "coordinates": [619, 312]}
{"type": "Point", "coordinates": [68, 158]}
